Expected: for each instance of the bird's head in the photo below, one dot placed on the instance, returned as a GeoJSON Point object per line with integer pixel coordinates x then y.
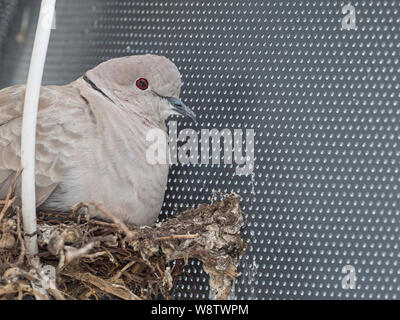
{"type": "Point", "coordinates": [147, 84]}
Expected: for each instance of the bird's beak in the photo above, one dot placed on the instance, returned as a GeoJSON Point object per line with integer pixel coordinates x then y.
{"type": "Point", "coordinates": [181, 108]}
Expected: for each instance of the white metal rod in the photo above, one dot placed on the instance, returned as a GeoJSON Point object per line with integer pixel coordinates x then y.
{"type": "Point", "coordinates": [28, 138]}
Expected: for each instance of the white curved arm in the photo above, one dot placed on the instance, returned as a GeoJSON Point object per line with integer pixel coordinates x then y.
{"type": "Point", "coordinates": [28, 137]}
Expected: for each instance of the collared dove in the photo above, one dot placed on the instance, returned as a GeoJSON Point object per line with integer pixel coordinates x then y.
{"type": "Point", "coordinates": [91, 137]}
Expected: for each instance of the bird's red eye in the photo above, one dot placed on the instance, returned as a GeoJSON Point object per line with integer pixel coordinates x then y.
{"type": "Point", "coordinates": [142, 84]}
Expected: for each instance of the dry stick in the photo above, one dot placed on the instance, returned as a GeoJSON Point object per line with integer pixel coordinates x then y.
{"type": "Point", "coordinates": [68, 254]}
{"type": "Point", "coordinates": [178, 237]}
{"type": "Point", "coordinates": [160, 271]}
{"type": "Point", "coordinates": [72, 253]}
{"type": "Point", "coordinates": [48, 212]}
{"type": "Point", "coordinates": [10, 288]}
{"type": "Point", "coordinates": [119, 274]}
{"type": "Point", "coordinates": [117, 222]}
{"type": "Point", "coordinates": [20, 294]}
{"type": "Point", "coordinates": [13, 181]}
{"type": "Point", "coordinates": [6, 207]}
{"type": "Point", "coordinates": [104, 285]}
{"type": "Point", "coordinates": [130, 234]}
{"type": "Point", "coordinates": [21, 257]}
{"type": "Point", "coordinates": [95, 255]}
{"type": "Point", "coordinates": [8, 201]}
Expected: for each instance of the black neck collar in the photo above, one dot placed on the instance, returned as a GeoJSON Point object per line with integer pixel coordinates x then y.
{"type": "Point", "coordinates": [93, 85]}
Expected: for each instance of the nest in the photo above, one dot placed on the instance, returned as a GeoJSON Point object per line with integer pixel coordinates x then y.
{"type": "Point", "coordinates": [83, 258]}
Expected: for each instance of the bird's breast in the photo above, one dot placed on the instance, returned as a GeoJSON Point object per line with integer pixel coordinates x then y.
{"type": "Point", "coordinates": [122, 178]}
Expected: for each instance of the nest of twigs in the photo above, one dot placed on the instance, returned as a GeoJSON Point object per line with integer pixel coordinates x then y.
{"type": "Point", "coordinates": [82, 258]}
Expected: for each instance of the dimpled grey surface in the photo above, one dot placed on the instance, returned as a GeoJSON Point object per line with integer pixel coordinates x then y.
{"type": "Point", "coordinates": [7, 12]}
{"type": "Point", "coordinates": [324, 103]}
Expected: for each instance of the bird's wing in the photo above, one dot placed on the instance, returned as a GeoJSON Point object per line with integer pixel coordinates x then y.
{"type": "Point", "coordinates": [55, 132]}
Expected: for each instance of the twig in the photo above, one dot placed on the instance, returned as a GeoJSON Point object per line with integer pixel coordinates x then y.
{"type": "Point", "coordinates": [104, 285]}
{"type": "Point", "coordinates": [114, 219]}
{"type": "Point", "coordinates": [92, 257]}
{"type": "Point", "coordinates": [6, 207]}
{"type": "Point", "coordinates": [178, 237]}
{"type": "Point", "coordinates": [11, 187]}
{"type": "Point", "coordinates": [14, 288]}
{"type": "Point", "coordinates": [21, 257]}
{"type": "Point", "coordinates": [119, 274]}
{"type": "Point", "coordinates": [8, 201]}
{"type": "Point", "coordinates": [72, 253]}
{"type": "Point", "coordinates": [160, 271]}
{"type": "Point", "coordinates": [68, 216]}
{"type": "Point", "coordinates": [68, 253]}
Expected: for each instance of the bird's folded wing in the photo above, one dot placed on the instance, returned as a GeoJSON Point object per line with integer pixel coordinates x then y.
{"type": "Point", "coordinates": [55, 135]}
